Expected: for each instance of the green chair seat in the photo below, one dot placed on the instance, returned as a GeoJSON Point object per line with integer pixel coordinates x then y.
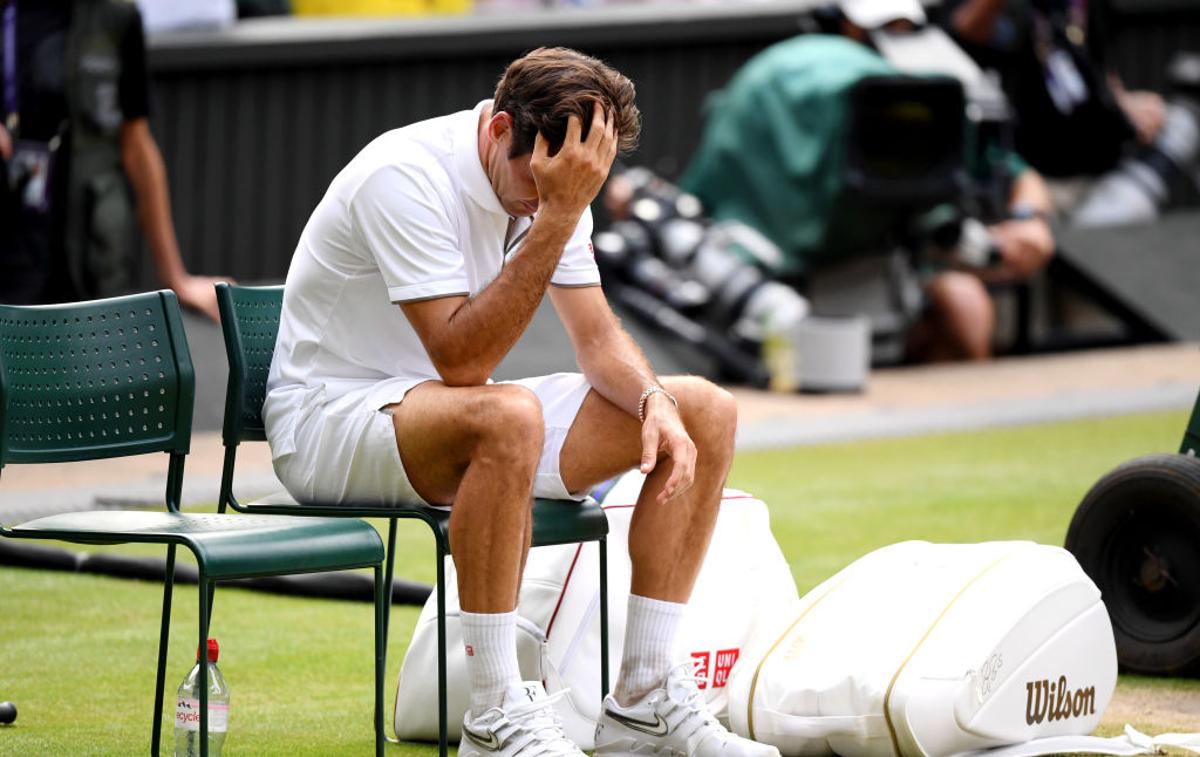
{"type": "Point", "coordinates": [555, 521]}
{"type": "Point", "coordinates": [229, 546]}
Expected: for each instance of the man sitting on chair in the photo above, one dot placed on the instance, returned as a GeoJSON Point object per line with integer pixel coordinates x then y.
{"type": "Point", "coordinates": [414, 277]}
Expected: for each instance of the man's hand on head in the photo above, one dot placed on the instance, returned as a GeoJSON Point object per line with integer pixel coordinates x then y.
{"type": "Point", "coordinates": [6, 145]}
{"type": "Point", "coordinates": [569, 181]}
{"type": "Point", "coordinates": [663, 433]}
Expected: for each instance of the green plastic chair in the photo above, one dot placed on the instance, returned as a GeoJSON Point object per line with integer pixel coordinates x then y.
{"type": "Point", "coordinates": [110, 378]}
{"type": "Point", "coordinates": [250, 322]}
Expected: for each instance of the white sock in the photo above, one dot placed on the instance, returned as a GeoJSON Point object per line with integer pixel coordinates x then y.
{"type": "Point", "coordinates": [491, 646]}
{"type": "Point", "coordinates": [650, 633]}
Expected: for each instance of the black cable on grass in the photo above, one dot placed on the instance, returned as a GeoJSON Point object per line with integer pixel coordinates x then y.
{"type": "Point", "coordinates": [349, 585]}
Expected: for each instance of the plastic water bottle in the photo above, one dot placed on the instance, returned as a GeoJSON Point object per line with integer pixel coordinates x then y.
{"type": "Point", "coordinates": [187, 709]}
{"type": "Point", "coordinates": [779, 356]}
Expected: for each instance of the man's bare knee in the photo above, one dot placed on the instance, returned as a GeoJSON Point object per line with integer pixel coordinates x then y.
{"type": "Point", "coordinates": [708, 411]}
{"type": "Point", "coordinates": [508, 426]}
{"type": "Point", "coordinates": [966, 312]}
{"type": "Point", "coordinates": [962, 294]}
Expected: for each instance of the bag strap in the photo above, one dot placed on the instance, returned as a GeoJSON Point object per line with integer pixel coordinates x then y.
{"type": "Point", "coordinates": [1132, 743]}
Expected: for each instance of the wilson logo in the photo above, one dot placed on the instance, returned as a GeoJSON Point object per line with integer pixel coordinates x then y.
{"type": "Point", "coordinates": [1046, 701]}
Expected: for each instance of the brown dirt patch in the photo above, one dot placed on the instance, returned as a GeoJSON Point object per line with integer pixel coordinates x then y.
{"type": "Point", "coordinates": [1153, 707]}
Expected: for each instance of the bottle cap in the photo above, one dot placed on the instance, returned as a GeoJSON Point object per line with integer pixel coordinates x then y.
{"type": "Point", "coordinates": [214, 651]}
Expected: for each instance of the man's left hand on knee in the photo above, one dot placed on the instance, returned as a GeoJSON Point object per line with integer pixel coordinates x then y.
{"type": "Point", "coordinates": [664, 435]}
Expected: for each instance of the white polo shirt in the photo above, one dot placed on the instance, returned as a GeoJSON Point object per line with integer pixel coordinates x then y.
{"type": "Point", "coordinates": [411, 217]}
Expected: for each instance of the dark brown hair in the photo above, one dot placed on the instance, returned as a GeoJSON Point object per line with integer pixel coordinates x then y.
{"type": "Point", "coordinates": [541, 89]}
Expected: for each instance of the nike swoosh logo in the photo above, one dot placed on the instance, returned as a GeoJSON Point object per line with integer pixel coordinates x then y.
{"type": "Point", "coordinates": [657, 728]}
{"type": "Point", "coordinates": [488, 742]}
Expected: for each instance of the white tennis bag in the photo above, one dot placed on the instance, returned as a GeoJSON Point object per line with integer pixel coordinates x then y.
{"type": "Point", "coordinates": [744, 580]}
{"type": "Point", "coordinates": [934, 649]}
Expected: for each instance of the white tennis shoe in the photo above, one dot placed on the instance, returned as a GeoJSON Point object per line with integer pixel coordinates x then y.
{"type": "Point", "coordinates": [524, 725]}
{"type": "Point", "coordinates": [672, 721]}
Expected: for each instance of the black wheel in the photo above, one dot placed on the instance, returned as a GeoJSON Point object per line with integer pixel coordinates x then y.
{"type": "Point", "coordinates": [1137, 535]}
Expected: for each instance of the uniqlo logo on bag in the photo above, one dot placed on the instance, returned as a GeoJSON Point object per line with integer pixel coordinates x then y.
{"type": "Point", "coordinates": [716, 672]}
{"type": "Point", "coordinates": [700, 660]}
{"type": "Point", "coordinates": [725, 660]}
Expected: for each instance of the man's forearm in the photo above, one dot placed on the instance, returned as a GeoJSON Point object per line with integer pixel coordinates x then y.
{"type": "Point", "coordinates": [143, 165]}
{"type": "Point", "coordinates": [485, 327]}
{"type": "Point", "coordinates": [1029, 189]}
{"type": "Point", "coordinates": [618, 369]}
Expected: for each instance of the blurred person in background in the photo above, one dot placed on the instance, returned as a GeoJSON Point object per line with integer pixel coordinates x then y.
{"type": "Point", "coordinates": [741, 172]}
{"type": "Point", "coordinates": [1074, 116]}
{"type": "Point", "coordinates": [74, 140]}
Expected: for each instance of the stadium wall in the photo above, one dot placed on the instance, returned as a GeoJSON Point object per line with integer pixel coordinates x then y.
{"type": "Point", "coordinates": [254, 121]}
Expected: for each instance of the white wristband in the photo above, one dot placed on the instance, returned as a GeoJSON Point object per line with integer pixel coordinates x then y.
{"type": "Point", "coordinates": [646, 395]}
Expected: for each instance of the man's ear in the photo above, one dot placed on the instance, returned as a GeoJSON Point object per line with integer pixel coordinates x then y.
{"type": "Point", "coordinates": [500, 126]}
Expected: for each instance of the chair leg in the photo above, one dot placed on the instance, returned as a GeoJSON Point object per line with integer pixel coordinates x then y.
{"type": "Point", "coordinates": [603, 620]}
{"type": "Point", "coordinates": [382, 591]}
{"type": "Point", "coordinates": [164, 633]}
{"type": "Point", "coordinates": [212, 594]}
{"type": "Point", "coordinates": [387, 607]}
{"type": "Point", "coordinates": [206, 588]}
{"type": "Point", "coordinates": [441, 636]}
{"type": "Point", "coordinates": [391, 572]}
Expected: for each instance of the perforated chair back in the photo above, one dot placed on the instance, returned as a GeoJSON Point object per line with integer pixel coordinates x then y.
{"type": "Point", "coordinates": [94, 380]}
{"type": "Point", "coordinates": [250, 320]}
{"type": "Point", "coordinates": [113, 377]}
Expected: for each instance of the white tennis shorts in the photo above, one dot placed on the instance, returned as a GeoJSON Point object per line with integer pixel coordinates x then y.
{"type": "Point", "coordinates": [346, 451]}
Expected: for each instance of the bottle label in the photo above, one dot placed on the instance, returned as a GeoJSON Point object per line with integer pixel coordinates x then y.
{"type": "Point", "coordinates": [187, 715]}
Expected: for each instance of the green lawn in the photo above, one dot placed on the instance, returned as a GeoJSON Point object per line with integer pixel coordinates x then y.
{"type": "Point", "coordinates": [77, 653]}
{"type": "Point", "coordinates": [833, 503]}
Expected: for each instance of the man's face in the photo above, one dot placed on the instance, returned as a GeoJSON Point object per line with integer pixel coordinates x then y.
{"type": "Point", "coordinates": [515, 186]}
{"type": "Point", "coordinates": [511, 178]}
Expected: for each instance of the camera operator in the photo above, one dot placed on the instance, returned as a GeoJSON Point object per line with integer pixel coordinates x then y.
{"type": "Point", "coordinates": [74, 138]}
{"type": "Point", "coordinates": [751, 167]}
